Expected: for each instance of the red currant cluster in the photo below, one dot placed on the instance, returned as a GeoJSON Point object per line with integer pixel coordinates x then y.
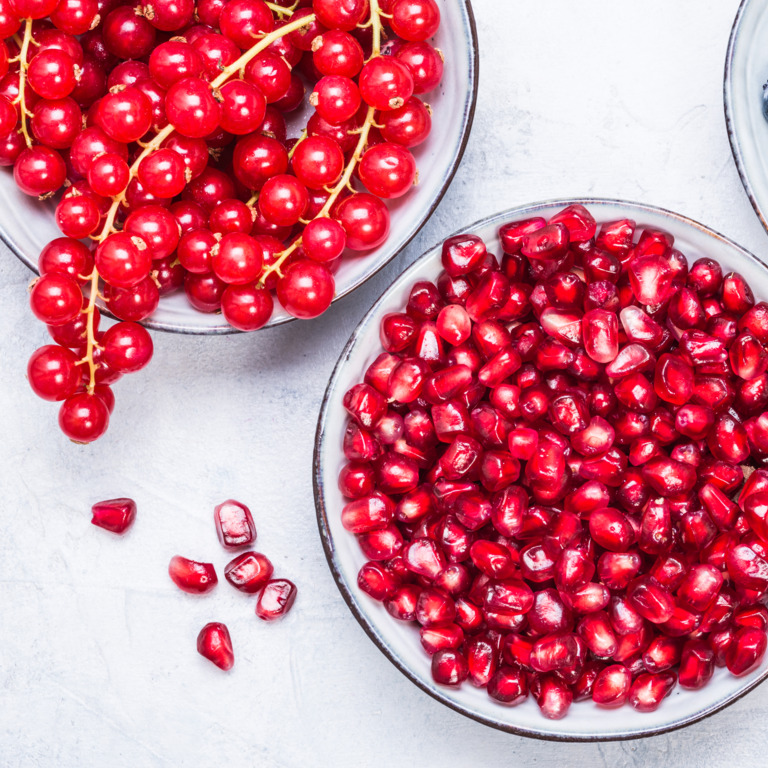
{"type": "Point", "coordinates": [165, 122]}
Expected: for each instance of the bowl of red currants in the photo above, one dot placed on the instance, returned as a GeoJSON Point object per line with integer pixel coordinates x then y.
{"type": "Point", "coordinates": [540, 471]}
{"type": "Point", "coordinates": [231, 163]}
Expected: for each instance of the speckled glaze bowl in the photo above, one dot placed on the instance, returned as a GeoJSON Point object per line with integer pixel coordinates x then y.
{"type": "Point", "coordinates": [399, 641]}
{"type": "Point", "coordinates": [746, 71]}
{"type": "Point", "coordinates": [26, 225]}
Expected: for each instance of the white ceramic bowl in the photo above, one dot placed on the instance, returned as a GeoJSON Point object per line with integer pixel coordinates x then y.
{"type": "Point", "coordinates": [400, 641]}
{"type": "Point", "coordinates": [746, 71]}
{"type": "Point", "coordinates": [26, 225]}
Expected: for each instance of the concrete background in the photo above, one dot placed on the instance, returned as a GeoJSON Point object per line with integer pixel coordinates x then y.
{"type": "Point", "coordinates": [97, 648]}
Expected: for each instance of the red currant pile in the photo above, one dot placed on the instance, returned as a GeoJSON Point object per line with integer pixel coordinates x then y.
{"type": "Point", "coordinates": [164, 121]}
{"type": "Point", "coordinates": [558, 467]}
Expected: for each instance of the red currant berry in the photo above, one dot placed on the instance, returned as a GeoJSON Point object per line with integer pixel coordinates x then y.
{"type": "Point", "coordinates": [323, 239]}
{"type": "Point", "coordinates": [108, 175]}
{"type": "Point", "coordinates": [55, 299]}
{"type": "Point", "coordinates": [10, 20]}
{"type": "Point", "coordinates": [163, 173]}
{"type": "Point", "coordinates": [243, 107]}
{"type": "Point", "coordinates": [125, 115]}
{"type": "Point", "coordinates": [293, 98]}
{"type": "Point", "coordinates": [231, 216]}
{"type": "Point", "coordinates": [209, 187]}
{"type": "Point", "coordinates": [189, 216]}
{"type": "Point", "coordinates": [169, 15]}
{"type": "Point", "coordinates": [387, 170]}
{"type": "Point", "coordinates": [191, 108]}
{"type": "Point", "coordinates": [91, 143]}
{"type": "Point", "coordinates": [237, 259]}
{"type": "Point", "coordinates": [283, 200]}
{"type": "Point", "coordinates": [77, 216]}
{"type": "Point", "coordinates": [385, 83]}
{"type": "Point", "coordinates": [365, 219]}
{"type": "Point", "coordinates": [135, 303]}
{"type": "Point", "coordinates": [246, 307]}
{"type": "Point", "coordinates": [194, 152]}
{"type": "Point", "coordinates": [270, 74]}
{"type": "Point", "coordinates": [257, 159]}
{"type": "Point", "coordinates": [195, 250]}
{"type": "Point", "coordinates": [303, 37]}
{"type": "Point", "coordinates": [123, 260]}
{"type": "Point", "coordinates": [173, 61]}
{"type": "Point", "coordinates": [66, 256]}
{"type": "Point", "coordinates": [318, 162]}
{"type": "Point", "coordinates": [56, 123]}
{"type": "Point", "coordinates": [84, 418]}
{"type": "Point", "coordinates": [74, 17]}
{"type": "Point", "coordinates": [8, 116]}
{"type": "Point", "coordinates": [425, 64]}
{"type": "Point", "coordinates": [244, 21]}
{"type": "Point", "coordinates": [33, 9]}
{"type": "Point", "coordinates": [157, 227]}
{"type": "Point", "coordinates": [128, 35]}
{"type": "Point", "coordinates": [409, 125]}
{"type": "Point", "coordinates": [338, 53]}
{"type": "Point", "coordinates": [127, 347]}
{"type": "Point", "coordinates": [208, 11]}
{"type": "Point", "coordinates": [415, 20]}
{"type": "Point", "coordinates": [168, 274]}
{"type": "Point", "coordinates": [92, 83]}
{"type": "Point", "coordinates": [39, 171]}
{"type": "Point", "coordinates": [204, 292]}
{"type": "Point", "coordinates": [306, 289]}
{"type": "Point", "coordinates": [74, 334]}
{"type": "Point", "coordinates": [340, 14]}
{"type": "Point", "coordinates": [336, 99]}
{"type": "Point", "coordinates": [53, 372]}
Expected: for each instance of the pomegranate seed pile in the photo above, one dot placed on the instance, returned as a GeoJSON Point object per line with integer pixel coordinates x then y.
{"type": "Point", "coordinates": [555, 466]}
{"type": "Point", "coordinates": [250, 572]}
{"type": "Point", "coordinates": [165, 123]}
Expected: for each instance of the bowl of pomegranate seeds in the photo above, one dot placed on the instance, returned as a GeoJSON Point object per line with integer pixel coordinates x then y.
{"type": "Point", "coordinates": [746, 101]}
{"type": "Point", "coordinates": [539, 471]}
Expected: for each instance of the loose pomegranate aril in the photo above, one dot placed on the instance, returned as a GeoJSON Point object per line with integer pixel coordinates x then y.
{"type": "Point", "coordinates": [276, 599]}
{"type": "Point", "coordinates": [215, 644]}
{"type": "Point", "coordinates": [248, 572]}
{"type": "Point", "coordinates": [116, 515]}
{"type": "Point", "coordinates": [192, 576]}
{"type": "Point", "coordinates": [234, 524]}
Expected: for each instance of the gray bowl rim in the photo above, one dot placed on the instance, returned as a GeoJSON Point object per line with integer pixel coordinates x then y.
{"type": "Point", "coordinates": [469, 116]}
{"type": "Point", "coordinates": [517, 212]}
{"type": "Point", "coordinates": [733, 139]}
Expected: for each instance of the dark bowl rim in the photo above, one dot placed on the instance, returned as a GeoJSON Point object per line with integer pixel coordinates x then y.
{"type": "Point", "coordinates": [470, 106]}
{"type": "Point", "coordinates": [733, 139]}
{"type": "Point", "coordinates": [322, 518]}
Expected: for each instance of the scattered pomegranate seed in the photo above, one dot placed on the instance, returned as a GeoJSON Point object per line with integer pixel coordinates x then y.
{"type": "Point", "coordinates": [234, 524]}
{"type": "Point", "coordinates": [116, 515]}
{"type": "Point", "coordinates": [546, 467]}
{"type": "Point", "coordinates": [191, 576]}
{"type": "Point", "coordinates": [248, 572]}
{"type": "Point", "coordinates": [215, 644]}
{"type": "Point", "coordinates": [276, 599]}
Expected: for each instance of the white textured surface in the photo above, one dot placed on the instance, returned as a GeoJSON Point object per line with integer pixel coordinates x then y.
{"type": "Point", "coordinates": [97, 657]}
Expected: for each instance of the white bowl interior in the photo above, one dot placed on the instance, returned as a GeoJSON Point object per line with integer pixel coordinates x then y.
{"type": "Point", "coordinates": [27, 225]}
{"type": "Point", "coordinates": [746, 71]}
{"type": "Point", "coordinates": [399, 640]}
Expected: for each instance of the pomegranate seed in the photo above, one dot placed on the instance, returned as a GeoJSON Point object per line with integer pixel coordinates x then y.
{"type": "Point", "coordinates": [434, 639]}
{"type": "Point", "coordinates": [248, 572]}
{"type": "Point", "coordinates": [696, 665]}
{"type": "Point", "coordinates": [449, 667]}
{"type": "Point", "coordinates": [276, 599]}
{"type": "Point", "coordinates": [116, 515]}
{"type": "Point", "coordinates": [234, 524]}
{"type": "Point", "coordinates": [191, 576]}
{"type": "Point", "coordinates": [508, 686]}
{"type": "Point", "coordinates": [649, 690]}
{"type": "Point", "coordinates": [215, 644]}
{"type": "Point", "coordinates": [611, 687]}
{"type": "Point", "coordinates": [553, 696]}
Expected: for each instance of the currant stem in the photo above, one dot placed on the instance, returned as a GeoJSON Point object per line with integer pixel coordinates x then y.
{"type": "Point", "coordinates": [21, 98]}
{"type": "Point", "coordinates": [362, 141]}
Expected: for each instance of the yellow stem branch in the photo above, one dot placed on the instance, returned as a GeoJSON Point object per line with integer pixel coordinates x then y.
{"type": "Point", "coordinates": [23, 65]}
{"type": "Point", "coordinates": [362, 141]}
